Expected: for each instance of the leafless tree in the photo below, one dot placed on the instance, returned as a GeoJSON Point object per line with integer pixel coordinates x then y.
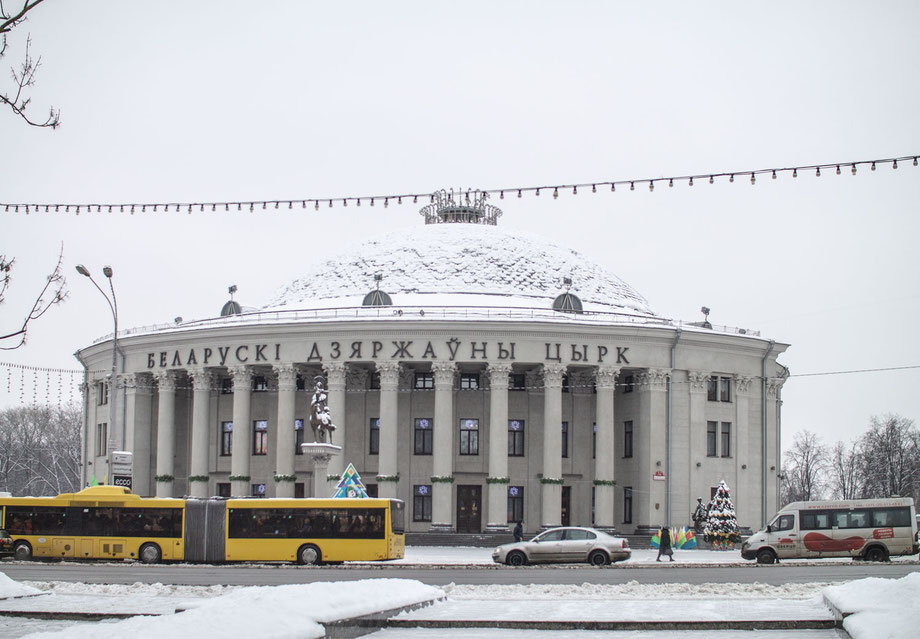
{"type": "Point", "coordinates": [40, 450]}
{"type": "Point", "coordinates": [24, 78]}
{"type": "Point", "coordinates": [804, 467]}
{"type": "Point", "coordinates": [844, 465]}
{"type": "Point", "coordinates": [54, 292]}
{"type": "Point", "coordinates": [890, 455]}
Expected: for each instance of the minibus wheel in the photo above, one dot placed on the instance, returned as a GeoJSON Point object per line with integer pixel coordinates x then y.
{"type": "Point", "coordinates": [876, 553]}
{"type": "Point", "coordinates": [766, 556]}
{"type": "Point", "coordinates": [150, 554]}
{"type": "Point", "coordinates": [22, 551]}
{"type": "Point", "coordinates": [309, 555]}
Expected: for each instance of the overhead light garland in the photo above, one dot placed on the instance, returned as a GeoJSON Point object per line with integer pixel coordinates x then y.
{"type": "Point", "coordinates": [557, 189]}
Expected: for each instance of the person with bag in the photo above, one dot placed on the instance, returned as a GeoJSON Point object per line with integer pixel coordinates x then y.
{"type": "Point", "coordinates": [664, 543]}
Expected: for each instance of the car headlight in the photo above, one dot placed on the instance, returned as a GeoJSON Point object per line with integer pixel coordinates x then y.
{"type": "Point", "coordinates": [496, 551]}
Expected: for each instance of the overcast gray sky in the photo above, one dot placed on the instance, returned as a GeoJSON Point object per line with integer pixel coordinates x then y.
{"type": "Point", "coordinates": [177, 101]}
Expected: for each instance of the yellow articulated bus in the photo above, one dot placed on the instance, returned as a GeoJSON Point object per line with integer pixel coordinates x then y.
{"type": "Point", "coordinates": [109, 522]}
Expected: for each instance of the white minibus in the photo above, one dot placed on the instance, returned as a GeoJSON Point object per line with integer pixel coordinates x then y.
{"type": "Point", "coordinates": [870, 529]}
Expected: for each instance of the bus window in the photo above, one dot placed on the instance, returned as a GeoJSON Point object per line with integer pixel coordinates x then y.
{"type": "Point", "coordinates": [783, 522]}
{"type": "Point", "coordinates": [859, 519]}
{"type": "Point", "coordinates": [890, 517]}
{"type": "Point", "coordinates": [397, 516]}
{"type": "Point", "coordinates": [840, 518]}
{"type": "Point", "coordinates": [35, 520]}
{"type": "Point", "coordinates": [816, 520]}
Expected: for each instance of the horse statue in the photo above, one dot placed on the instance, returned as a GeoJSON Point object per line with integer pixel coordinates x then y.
{"type": "Point", "coordinates": [320, 417]}
{"type": "Point", "coordinates": [699, 516]}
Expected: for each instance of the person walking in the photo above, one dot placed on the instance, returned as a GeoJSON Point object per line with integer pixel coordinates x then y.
{"type": "Point", "coordinates": [519, 531]}
{"type": "Point", "coordinates": [664, 544]}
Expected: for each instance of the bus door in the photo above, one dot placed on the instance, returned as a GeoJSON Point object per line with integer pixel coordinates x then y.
{"type": "Point", "coordinates": [785, 536]}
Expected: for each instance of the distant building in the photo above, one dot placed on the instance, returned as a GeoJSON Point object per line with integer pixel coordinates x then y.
{"type": "Point", "coordinates": [481, 377]}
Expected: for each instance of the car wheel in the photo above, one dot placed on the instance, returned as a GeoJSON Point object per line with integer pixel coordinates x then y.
{"type": "Point", "coordinates": [877, 554]}
{"type": "Point", "coordinates": [150, 554]}
{"type": "Point", "coordinates": [309, 555]}
{"type": "Point", "coordinates": [598, 558]}
{"type": "Point", "coordinates": [22, 550]}
{"type": "Point", "coordinates": [516, 558]}
{"type": "Point", "coordinates": [766, 556]}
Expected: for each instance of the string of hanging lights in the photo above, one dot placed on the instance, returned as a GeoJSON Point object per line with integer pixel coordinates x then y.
{"type": "Point", "coordinates": [399, 199]}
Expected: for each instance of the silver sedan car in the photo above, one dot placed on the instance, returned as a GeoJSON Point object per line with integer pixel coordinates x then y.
{"type": "Point", "coordinates": [568, 544]}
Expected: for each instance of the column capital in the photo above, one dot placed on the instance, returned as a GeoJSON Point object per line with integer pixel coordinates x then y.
{"type": "Point", "coordinates": [581, 382]}
{"type": "Point", "coordinates": [356, 378]}
{"type": "Point", "coordinates": [242, 376]}
{"type": "Point", "coordinates": [774, 385]}
{"type": "Point", "coordinates": [698, 380]}
{"type": "Point", "coordinates": [444, 374]}
{"type": "Point", "coordinates": [552, 375]}
{"type": "Point", "coordinates": [655, 378]}
{"type": "Point", "coordinates": [743, 384]}
{"type": "Point", "coordinates": [389, 374]}
{"type": "Point", "coordinates": [141, 383]}
{"type": "Point", "coordinates": [203, 379]}
{"type": "Point", "coordinates": [287, 376]}
{"type": "Point", "coordinates": [606, 376]}
{"type": "Point", "coordinates": [336, 373]}
{"type": "Point", "coordinates": [166, 380]}
{"type": "Point", "coordinates": [498, 374]}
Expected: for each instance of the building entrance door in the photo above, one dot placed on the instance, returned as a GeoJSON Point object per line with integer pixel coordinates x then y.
{"type": "Point", "coordinates": [469, 509]}
{"type": "Point", "coordinates": [566, 505]}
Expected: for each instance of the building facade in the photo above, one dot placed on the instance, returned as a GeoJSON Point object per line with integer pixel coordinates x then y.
{"type": "Point", "coordinates": [479, 376]}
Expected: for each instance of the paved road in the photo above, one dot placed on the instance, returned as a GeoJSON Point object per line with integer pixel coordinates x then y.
{"type": "Point", "coordinates": [205, 575]}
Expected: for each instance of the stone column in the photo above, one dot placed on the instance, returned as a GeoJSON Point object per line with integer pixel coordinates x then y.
{"type": "Point", "coordinates": [746, 501]}
{"type": "Point", "coordinates": [442, 466]}
{"type": "Point", "coordinates": [242, 426]}
{"type": "Point", "coordinates": [497, 513]}
{"type": "Point", "coordinates": [696, 451]}
{"type": "Point", "coordinates": [138, 418]}
{"type": "Point", "coordinates": [166, 433]}
{"type": "Point", "coordinates": [284, 446]}
{"type": "Point", "coordinates": [388, 470]}
{"type": "Point", "coordinates": [551, 514]}
{"type": "Point", "coordinates": [335, 399]}
{"type": "Point", "coordinates": [650, 448]}
{"type": "Point", "coordinates": [202, 382]}
{"type": "Point", "coordinates": [774, 401]}
{"type": "Point", "coordinates": [604, 459]}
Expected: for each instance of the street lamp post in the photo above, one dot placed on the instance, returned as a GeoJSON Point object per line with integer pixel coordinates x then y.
{"type": "Point", "coordinates": [113, 306]}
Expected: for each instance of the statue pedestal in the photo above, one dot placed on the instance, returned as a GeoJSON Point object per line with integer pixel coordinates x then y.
{"type": "Point", "coordinates": [321, 454]}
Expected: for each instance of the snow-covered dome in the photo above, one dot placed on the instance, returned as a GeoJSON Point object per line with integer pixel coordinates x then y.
{"type": "Point", "coordinates": [460, 264]}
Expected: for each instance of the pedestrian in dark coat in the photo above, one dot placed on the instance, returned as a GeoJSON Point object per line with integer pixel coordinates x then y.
{"type": "Point", "coordinates": [664, 544]}
{"type": "Point", "coordinates": [519, 531]}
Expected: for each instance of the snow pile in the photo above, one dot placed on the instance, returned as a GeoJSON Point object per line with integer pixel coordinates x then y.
{"type": "Point", "coordinates": [10, 588]}
{"type": "Point", "coordinates": [268, 612]}
{"type": "Point", "coordinates": [137, 589]}
{"type": "Point", "coordinates": [881, 608]}
{"type": "Point", "coordinates": [634, 590]}
{"type": "Point", "coordinates": [438, 260]}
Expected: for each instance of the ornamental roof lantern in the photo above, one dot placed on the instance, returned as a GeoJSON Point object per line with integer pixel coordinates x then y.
{"type": "Point", "coordinates": [460, 207]}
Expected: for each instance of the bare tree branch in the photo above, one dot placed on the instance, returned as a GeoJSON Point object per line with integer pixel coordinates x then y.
{"type": "Point", "coordinates": [25, 78]}
{"type": "Point", "coordinates": [55, 286]}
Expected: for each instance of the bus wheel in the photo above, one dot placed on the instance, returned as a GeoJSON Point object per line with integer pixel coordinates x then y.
{"type": "Point", "coordinates": [766, 556]}
{"type": "Point", "coordinates": [22, 551]}
{"type": "Point", "coordinates": [309, 555]}
{"type": "Point", "coordinates": [150, 554]}
{"type": "Point", "coordinates": [876, 553]}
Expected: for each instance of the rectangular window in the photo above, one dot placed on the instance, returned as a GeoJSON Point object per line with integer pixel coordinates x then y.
{"type": "Point", "coordinates": [628, 383]}
{"type": "Point", "coordinates": [517, 382]}
{"type": "Point", "coordinates": [421, 503]}
{"type": "Point", "coordinates": [102, 439]}
{"type": "Point", "coordinates": [627, 505]}
{"type": "Point", "coordinates": [719, 389]}
{"type": "Point", "coordinates": [301, 383]}
{"type": "Point", "coordinates": [298, 436]}
{"type": "Point", "coordinates": [711, 430]}
{"type": "Point", "coordinates": [371, 490]}
{"type": "Point", "coordinates": [726, 439]}
{"type": "Point", "coordinates": [226, 439]}
{"type": "Point", "coordinates": [565, 383]}
{"type": "Point", "coordinates": [258, 490]}
{"type": "Point", "coordinates": [424, 381]}
{"type": "Point", "coordinates": [373, 437]}
{"type": "Point", "coordinates": [226, 385]}
{"type": "Point", "coordinates": [594, 441]}
{"type": "Point", "coordinates": [515, 503]}
{"type": "Point", "coordinates": [565, 439]}
{"type": "Point", "coordinates": [102, 393]}
{"type": "Point", "coordinates": [259, 383]}
{"type": "Point", "coordinates": [223, 489]}
{"type": "Point", "coordinates": [375, 380]}
{"type": "Point", "coordinates": [260, 437]}
{"type": "Point", "coordinates": [423, 436]}
{"type": "Point", "coordinates": [469, 381]}
{"type": "Point", "coordinates": [515, 437]}
{"type": "Point", "coordinates": [628, 439]}
{"type": "Point", "coordinates": [299, 490]}
{"type": "Point", "coordinates": [469, 436]}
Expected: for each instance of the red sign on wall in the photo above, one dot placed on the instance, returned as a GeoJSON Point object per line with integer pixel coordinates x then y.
{"type": "Point", "coordinates": [658, 476]}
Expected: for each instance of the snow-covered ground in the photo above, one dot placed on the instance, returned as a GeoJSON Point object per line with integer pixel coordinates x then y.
{"type": "Point", "coordinates": [880, 608]}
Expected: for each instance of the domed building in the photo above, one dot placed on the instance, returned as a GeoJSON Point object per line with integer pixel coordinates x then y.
{"type": "Point", "coordinates": [483, 377]}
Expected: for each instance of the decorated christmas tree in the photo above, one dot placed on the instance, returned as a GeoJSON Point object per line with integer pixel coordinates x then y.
{"type": "Point", "coordinates": [721, 529]}
{"type": "Point", "coordinates": [350, 485]}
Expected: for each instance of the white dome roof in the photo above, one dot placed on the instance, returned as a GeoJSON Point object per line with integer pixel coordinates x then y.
{"type": "Point", "coordinates": [459, 265]}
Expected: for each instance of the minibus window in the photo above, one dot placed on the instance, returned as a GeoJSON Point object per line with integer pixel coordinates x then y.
{"type": "Point", "coordinates": [840, 519]}
{"type": "Point", "coordinates": [817, 520]}
{"type": "Point", "coordinates": [783, 522]}
{"type": "Point", "coordinates": [859, 519]}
